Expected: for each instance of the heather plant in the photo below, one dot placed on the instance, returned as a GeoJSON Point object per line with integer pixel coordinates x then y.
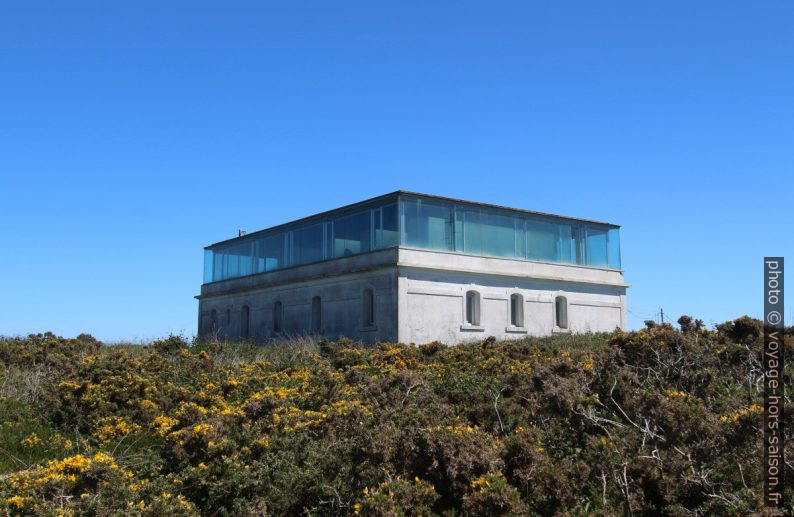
{"type": "Point", "coordinates": [656, 421]}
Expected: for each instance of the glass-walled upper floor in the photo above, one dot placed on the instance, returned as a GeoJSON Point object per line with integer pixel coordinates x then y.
{"type": "Point", "coordinates": [416, 221]}
{"type": "Point", "coordinates": [335, 235]}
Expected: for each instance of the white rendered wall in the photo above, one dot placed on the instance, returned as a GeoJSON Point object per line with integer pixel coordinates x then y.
{"type": "Point", "coordinates": [432, 288]}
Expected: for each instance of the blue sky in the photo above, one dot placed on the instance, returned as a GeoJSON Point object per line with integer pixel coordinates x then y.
{"type": "Point", "coordinates": [132, 134]}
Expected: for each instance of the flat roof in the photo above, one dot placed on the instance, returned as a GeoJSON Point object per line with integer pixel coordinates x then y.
{"type": "Point", "coordinates": [397, 193]}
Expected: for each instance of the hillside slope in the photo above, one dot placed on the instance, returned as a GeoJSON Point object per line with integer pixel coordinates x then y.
{"type": "Point", "coordinates": [655, 421]}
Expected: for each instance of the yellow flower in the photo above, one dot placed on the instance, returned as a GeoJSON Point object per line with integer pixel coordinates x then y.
{"type": "Point", "coordinates": [112, 427]}
{"type": "Point", "coordinates": [17, 501]}
{"type": "Point", "coordinates": [202, 429]}
{"type": "Point", "coordinates": [480, 483]}
{"type": "Point", "coordinates": [741, 413]}
{"type": "Point", "coordinates": [102, 457]}
{"type": "Point", "coordinates": [163, 424]}
{"type": "Point", "coordinates": [31, 441]}
{"type": "Point", "coordinates": [68, 386]}
{"type": "Point", "coordinates": [77, 462]}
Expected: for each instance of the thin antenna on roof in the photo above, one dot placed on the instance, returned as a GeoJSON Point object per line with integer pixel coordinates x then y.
{"type": "Point", "coordinates": [240, 232]}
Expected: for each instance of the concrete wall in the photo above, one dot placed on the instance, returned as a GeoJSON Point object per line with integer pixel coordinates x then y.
{"type": "Point", "coordinates": [341, 308]}
{"type": "Point", "coordinates": [432, 288]}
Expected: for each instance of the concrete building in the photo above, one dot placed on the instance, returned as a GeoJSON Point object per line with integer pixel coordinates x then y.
{"type": "Point", "coordinates": [416, 268]}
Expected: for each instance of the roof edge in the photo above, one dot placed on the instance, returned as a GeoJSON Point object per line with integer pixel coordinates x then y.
{"type": "Point", "coordinates": [397, 193]}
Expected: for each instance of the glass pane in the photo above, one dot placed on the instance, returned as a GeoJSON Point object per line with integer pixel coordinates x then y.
{"type": "Point", "coordinates": [596, 247]}
{"type": "Point", "coordinates": [329, 239]}
{"type": "Point", "coordinates": [543, 241]}
{"type": "Point", "coordinates": [501, 235]}
{"type": "Point", "coordinates": [427, 224]}
{"type": "Point", "coordinates": [269, 253]}
{"type": "Point", "coordinates": [229, 264]}
{"type": "Point", "coordinates": [458, 235]}
{"type": "Point", "coordinates": [307, 244]}
{"type": "Point", "coordinates": [488, 233]}
{"type": "Point", "coordinates": [241, 259]}
{"type": "Point", "coordinates": [217, 265]}
{"type": "Point", "coordinates": [521, 250]}
{"type": "Point", "coordinates": [549, 242]}
{"type": "Point", "coordinates": [564, 241]}
{"type": "Point", "coordinates": [613, 239]}
{"type": "Point", "coordinates": [577, 245]}
{"type": "Point", "coordinates": [207, 266]}
{"type": "Point", "coordinates": [482, 232]}
{"type": "Point", "coordinates": [233, 260]}
{"type": "Point", "coordinates": [474, 231]}
{"type": "Point", "coordinates": [388, 226]}
{"type": "Point", "coordinates": [352, 234]}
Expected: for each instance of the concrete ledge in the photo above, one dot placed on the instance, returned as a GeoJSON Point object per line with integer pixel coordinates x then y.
{"type": "Point", "coordinates": [506, 267]}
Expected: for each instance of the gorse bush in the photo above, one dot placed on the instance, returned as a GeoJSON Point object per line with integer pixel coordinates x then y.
{"type": "Point", "coordinates": [657, 421]}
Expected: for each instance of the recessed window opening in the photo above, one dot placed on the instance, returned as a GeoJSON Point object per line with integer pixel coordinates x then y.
{"type": "Point", "coordinates": [316, 314]}
{"type": "Point", "coordinates": [368, 308]}
{"type": "Point", "coordinates": [244, 321]}
{"type": "Point", "coordinates": [213, 320]}
{"type": "Point", "coordinates": [561, 312]}
{"type": "Point", "coordinates": [228, 316]}
{"type": "Point", "coordinates": [473, 308]}
{"type": "Point", "coordinates": [516, 310]}
{"type": "Point", "coordinates": [278, 314]}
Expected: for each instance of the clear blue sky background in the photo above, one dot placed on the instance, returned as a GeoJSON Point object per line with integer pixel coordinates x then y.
{"type": "Point", "coordinates": [132, 134]}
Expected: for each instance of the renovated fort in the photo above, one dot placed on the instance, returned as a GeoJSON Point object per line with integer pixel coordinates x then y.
{"type": "Point", "coordinates": [415, 268]}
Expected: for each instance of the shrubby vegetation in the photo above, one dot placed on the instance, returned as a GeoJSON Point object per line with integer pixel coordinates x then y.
{"type": "Point", "coordinates": [658, 421]}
